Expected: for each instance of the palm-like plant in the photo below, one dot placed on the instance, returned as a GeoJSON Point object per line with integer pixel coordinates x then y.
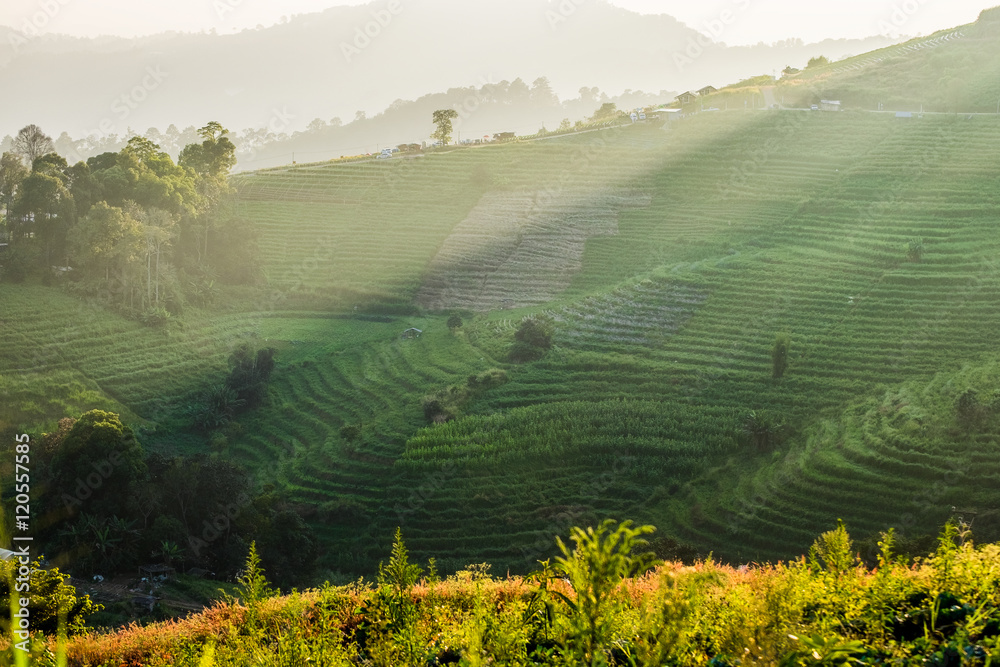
{"type": "Point", "coordinates": [169, 551]}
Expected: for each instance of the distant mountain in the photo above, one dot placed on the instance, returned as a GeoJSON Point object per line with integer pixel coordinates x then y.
{"type": "Point", "coordinates": [365, 57]}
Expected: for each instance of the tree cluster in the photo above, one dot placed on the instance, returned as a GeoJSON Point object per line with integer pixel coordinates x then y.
{"type": "Point", "coordinates": [245, 387]}
{"type": "Point", "coordinates": [135, 228]}
{"type": "Point", "coordinates": [531, 341]}
{"type": "Point", "coordinates": [104, 506]}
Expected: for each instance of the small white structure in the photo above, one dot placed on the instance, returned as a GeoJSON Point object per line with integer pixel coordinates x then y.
{"type": "Point", "coordinates": [830, 105]}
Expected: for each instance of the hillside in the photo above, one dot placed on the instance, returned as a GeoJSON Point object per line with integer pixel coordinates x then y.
{"type": "Point", "coordinates": [667, 262]}
{"type": "Point", "coordinates": [665, 259]}
{"type": "Point", "coordinates": [952, 71]}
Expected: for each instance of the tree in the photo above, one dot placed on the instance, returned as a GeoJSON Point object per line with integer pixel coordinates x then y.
{"type": "Point", "coordinates": [158, 230]}
{"type": "Point", "coordinates": [818, 61]}
{"type": "Point", "coordinates": [779, 355]}
{"type": "Point", "coordinates": [542, 93]}
{"type": "Point", "coordinates": [107, 241]}
{"type": "Point", "coordinates": [45, 207]}
{"type": "Point", "coordinates": [51, 164]}
{"type": "Point", "coordinates": [12, 174]}
{"type": "Point", "coordinates": [169, 551]}
{"type": "Point", "coordinates": [761, 429]}
{"type": "Point", "coordinates": [31, 143]}
{"type": "Point", "coordinates": [101, 453]}
{"type": "Point", "coordinates": [54, 605]}
{"type": "Point", "coordinates": [607, 111]}
{"type": "Point", "coordinates": [531, 340]}
{"type": "Point", "coordinates": [400, 575]}
{"type": "Point", "coordinates": [84, 188]}
{"type": "Point", "coordinates": [211, 160]}
{"type": "Point", "coordinates": [250, 373]}
{"type": "Point", "coordinates": [534, 332]}
{"type": "Point", "coordinates": [789, 70]}
{"type": "Point", "coordinates": [442, 119]}
{"type": "Point", "coordinates": [455, 321]}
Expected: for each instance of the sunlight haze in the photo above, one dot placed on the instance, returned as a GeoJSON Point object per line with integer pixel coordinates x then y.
{"type": "Point", "coordinates": [752, 21]}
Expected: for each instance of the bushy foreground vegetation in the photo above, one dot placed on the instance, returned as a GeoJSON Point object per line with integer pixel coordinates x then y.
{"type": "Point", "coordinates": [601, 602]}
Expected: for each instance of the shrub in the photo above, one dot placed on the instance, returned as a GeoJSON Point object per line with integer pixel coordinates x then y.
{"type": "Point", "coordinates": [50, 596]}
{"type": "Point", "coordinates": [531, 341]}
{"type": "Point", "coordinates": [601, 560]}
{"type": "Point", "coordinates": [350, 432]}
{"type": "Point", "coordinates": [779, 355]}
{"type": "Point", "coordinates": [155, 317]}
{"type": "Point", "coordinates": [833, 550]}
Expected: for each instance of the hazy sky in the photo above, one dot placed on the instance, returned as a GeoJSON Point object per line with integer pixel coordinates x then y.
{"type": "Point", "coordinates": [748, 21]}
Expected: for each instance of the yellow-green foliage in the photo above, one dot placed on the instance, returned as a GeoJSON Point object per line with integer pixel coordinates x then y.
{"type": "Point", "coordinates": [790, 614]}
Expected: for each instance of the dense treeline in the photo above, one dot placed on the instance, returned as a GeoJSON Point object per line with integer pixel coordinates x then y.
{"type": "Point", "coordinates": [145, 234]}
{"type": "Point", "coordinates": [105, 505]}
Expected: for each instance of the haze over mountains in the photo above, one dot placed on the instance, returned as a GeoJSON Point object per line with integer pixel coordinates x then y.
{"type": "Point", "coordinates": [324, 65]}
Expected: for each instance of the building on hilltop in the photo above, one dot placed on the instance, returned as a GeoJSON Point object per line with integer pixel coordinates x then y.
{"type": "Point", "coordinates": [686, 98]}
{"type": "Point", "coordinates": [708, 90]}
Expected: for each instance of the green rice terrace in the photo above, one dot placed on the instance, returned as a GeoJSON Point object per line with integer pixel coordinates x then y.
{"type": "Point", "coordinates": [665, 261]}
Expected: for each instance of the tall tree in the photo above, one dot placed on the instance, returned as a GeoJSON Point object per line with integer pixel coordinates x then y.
{"type": "Point", "coordinates": [214, 157]}
{"type": "Point", "coordinates": [44, 207]}
{"type": "Point", "coordinates": [12, 175]}
{"type": "Point", "coordinates": [108, 241]}
{"type": "Point", "coordinates": [99, 446]}
{"type": "Point", "coordinates": [442, 118]}
{"type": "Point", "coordinates": [542, 93]}
{"type": "Point", "coordinates": [158, 228]}
{"type": "Point", "coordinates": [211, 160]}
{"type": "Point", "coordinates": [31, 143]}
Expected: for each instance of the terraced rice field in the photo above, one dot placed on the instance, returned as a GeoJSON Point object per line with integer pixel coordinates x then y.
{"type": "Point", "coordinates": [822, 257]}
{"type": "Point", "coordinates": [366, 233]}
{"type": "Point", "coordinates": [520, 249]}
{"type": "Point", "coordinates": [667, 261]}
